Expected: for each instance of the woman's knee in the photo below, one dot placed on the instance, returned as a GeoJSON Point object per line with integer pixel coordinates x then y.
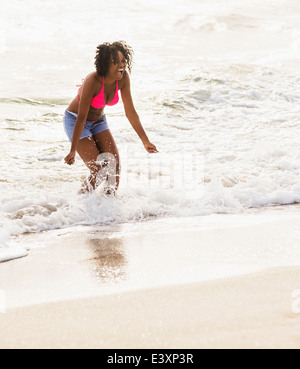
{"type": "Point", "coordinates": [94, 166]}
{"type": "Point", "coordinates": [109, 161]}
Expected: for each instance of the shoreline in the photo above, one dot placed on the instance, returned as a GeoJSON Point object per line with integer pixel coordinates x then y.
{"type": "Point", "coordinates": [89, 261]}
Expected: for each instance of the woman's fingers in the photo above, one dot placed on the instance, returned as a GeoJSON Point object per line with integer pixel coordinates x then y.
{"type": "Point", "coordinates": [153, 150]}
{"type": "Point", "coordinates": [69, 160]}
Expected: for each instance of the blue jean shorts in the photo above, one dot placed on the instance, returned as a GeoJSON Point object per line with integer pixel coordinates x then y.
{"type": "Point", "coordinates": [90, 128]}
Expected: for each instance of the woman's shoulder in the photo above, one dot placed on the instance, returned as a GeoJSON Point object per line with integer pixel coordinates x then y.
{"type": "Point", "coordinates": [94, 78]}
{"type": "Point", "coordinates": [92, 83]}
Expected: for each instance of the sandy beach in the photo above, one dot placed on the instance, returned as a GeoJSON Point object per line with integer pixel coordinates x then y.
{"type": "Point", "coordinates": [245, 312]}
{"type": "Point", "coordinates": [91, 291]}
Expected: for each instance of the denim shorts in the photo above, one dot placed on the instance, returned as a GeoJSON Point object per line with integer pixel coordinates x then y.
{"type": "Point", "coordinates": [90, 128]}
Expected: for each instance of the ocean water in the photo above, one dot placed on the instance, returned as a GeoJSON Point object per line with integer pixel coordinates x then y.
{"type": "Point", "coordinates": [217, 87]}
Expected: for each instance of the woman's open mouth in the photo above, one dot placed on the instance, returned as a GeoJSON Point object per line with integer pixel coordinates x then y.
{"type": "Point", "coordinates": [121, 72]}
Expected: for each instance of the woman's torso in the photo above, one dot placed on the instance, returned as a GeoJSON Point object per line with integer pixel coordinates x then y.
{"type": "Point", "coordinates": [95, 114]}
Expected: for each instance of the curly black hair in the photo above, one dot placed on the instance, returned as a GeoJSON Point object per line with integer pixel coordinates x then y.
{"type": "Point", "coordinates": [107, 50]}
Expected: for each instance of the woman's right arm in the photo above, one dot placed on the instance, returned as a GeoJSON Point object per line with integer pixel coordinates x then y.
{"type": "Point", "coordinates": [83, 110]}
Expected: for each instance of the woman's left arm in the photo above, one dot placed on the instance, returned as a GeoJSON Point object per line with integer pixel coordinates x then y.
{"type": "Point", "coordinates": [133, 117]}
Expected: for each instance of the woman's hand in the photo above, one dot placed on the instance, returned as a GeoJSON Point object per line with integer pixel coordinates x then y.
{"type": "Point", "coordinates": [150, 147]}
{"type": "Point", "coordinates": [70, 159]}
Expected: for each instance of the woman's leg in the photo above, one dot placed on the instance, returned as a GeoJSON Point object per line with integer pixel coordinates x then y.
{"type": "Point", "coordinates": [89, 153]}
{"type": "Point", "coordinates": [106, 145]}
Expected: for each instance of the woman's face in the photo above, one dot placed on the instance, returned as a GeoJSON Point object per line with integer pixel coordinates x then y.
{"type": "Point", "coordinates": [117, 70]}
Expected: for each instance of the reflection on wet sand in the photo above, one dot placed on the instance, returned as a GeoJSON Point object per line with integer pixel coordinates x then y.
{"type": "Point", "coordinates": [109, 259]}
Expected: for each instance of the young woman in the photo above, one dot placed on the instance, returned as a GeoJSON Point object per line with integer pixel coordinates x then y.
{"type": "Point", "coordinates": [85, 121]}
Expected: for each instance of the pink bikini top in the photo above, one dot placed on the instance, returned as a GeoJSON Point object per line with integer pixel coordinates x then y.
{"type": "Point", "coordinates": [98, 102]}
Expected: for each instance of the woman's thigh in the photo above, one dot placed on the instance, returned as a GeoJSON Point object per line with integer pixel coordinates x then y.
{"type": "Point", "coordinates": [89, 153]}
{"type": "Point", "coordinates": [106, 143]}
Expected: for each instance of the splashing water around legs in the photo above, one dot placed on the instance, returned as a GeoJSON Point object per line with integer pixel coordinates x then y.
{"type": "Point", "coordinates": [101, 156]}
{"type": "Point", "coordinates": [104, 169]}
